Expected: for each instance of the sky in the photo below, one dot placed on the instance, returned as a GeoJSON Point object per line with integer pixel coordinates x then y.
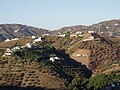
{"type": "Point", "coordinates": [55, 14]}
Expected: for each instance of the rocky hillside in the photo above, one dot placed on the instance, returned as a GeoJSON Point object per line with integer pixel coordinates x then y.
{"type": "Point", "coordinates": [9, 31]}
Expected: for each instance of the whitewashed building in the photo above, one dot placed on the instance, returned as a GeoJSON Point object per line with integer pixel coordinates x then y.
{"type": "Point", "coordinates": [15, 39]}
{"type": "Point", "coordinates": [38, 39]}
{"type": "Point", "coordinates": [28, 45]}
{"type": "Point", "coordinates": [79, 32]}
{"type": "Point", "coordinates": [91, 31]}
{"type": "Point", "coordinates": [79, 55]}
{"type": "Point", "coordinates": [7, 40]}
{"type": "Point", "coordinates": [116, 24]}
{"type": "Point", "coordinates": [8, 52]}
{"type": "Point", "coordinates": [16, 48]}
{"type": "Point", "coordinates": [33, 37]}
{"type": "Point", "coordinates": [92, 37]}
{"type": "Point", "coordinates": [46, 34]}
{"type": "Point", "coordinates": [62, 35]}
{"type": "Point", "coordinates": [54, 59]}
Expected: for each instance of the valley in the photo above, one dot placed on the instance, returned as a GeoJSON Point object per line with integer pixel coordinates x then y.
{"type": "Point", "coordinates": [71, 58]}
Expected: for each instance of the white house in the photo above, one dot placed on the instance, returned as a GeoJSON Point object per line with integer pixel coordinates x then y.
{"type": "Point", "coordinates": [15, 39]}
{"type": "Point", "coordinates": [79, 55]}
{"type": "Point", "coordinates": [62, 35]}
{"type": "Point", "coordinates": [8, 52]}
{"type": "Point", "coordinates": [116, 24]}
{"type": "Point", "coordinates": [79, 33]}
{"type": "Point", "coordinates": [91, 31]}
{"type": "Point", "coordinates": [28, 45]}
{"type": "Point", "coordinates": [38, 39]}
{"type": "Point", "coordinates": [52, 59]}
{"type": "Point", "coordinates": [91, 37]}
{"type": "Point", "coordinates": [15, 48]}
{"type": "Point", "coordinates": [46, 34]}
{"type": "Point", "coordinates": [33, 37]}
{"type": "Point", "coordinates": [16, 30]}
{"type": "Point", "coordinates": [56, 58]}
{"type": "Point", "coordinates": [7, 40]}
{"type": "Point", "coordinates": [107, 27]}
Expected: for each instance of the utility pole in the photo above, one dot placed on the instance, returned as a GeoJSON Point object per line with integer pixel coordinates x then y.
{"type": "Point", "coordinates": [100, 29]}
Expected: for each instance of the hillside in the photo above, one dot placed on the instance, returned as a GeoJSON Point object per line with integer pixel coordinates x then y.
{"type": "Point", "coordinates": [101, 51]}
{"type": "Point", "coordinates": [10, 31]}
{"type": "Point", "coordinates": [31, 68]}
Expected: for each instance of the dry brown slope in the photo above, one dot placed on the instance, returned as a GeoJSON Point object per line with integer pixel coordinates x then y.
{"type": "Point", "coordinates": [81, 55]}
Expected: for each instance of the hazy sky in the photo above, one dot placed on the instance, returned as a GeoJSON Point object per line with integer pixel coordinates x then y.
{"type": "Point", "coordinates": [54, 14]}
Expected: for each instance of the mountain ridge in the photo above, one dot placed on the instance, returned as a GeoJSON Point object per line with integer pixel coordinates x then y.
{"type": "Point", "coordinates": [10, 31]}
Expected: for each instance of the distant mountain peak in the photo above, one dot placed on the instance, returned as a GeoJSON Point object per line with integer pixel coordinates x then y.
{"type": "Point", "coordinates": [9, 31]}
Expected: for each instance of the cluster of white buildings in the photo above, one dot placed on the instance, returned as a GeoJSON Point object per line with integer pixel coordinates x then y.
{"type": "Point", "coordinates": [9, 51]}
{"type": "Point", "coordinates": [37, 39]}
{"type": "Point", "coordinates": [8, 40]}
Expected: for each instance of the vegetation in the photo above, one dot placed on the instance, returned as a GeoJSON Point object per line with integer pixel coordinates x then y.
{"type": "Point", "coordinates": [65, 69]}
{"type": "Point", "coordinates": [99, 81]}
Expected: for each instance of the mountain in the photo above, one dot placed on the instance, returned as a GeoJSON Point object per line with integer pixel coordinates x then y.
{"type": "Point", "coordinates": [105, 26]}
{"type": "Point", "coordinates": [71, 29]}
{"type": "Point", "coordinates": [10, 31]}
